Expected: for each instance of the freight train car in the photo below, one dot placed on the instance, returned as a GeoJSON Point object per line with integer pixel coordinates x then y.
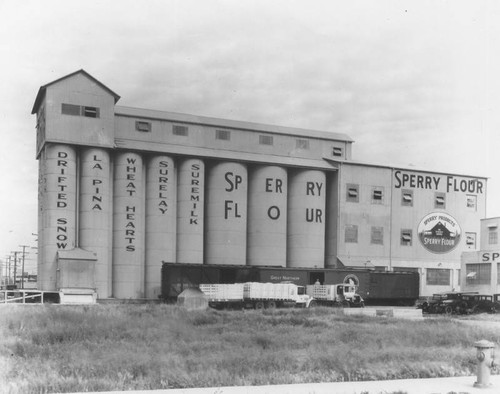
{"type": "Point", "coordinates": [376, 288]}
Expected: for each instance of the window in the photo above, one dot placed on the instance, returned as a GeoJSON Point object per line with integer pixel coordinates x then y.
{"type": "Point", "coordinates": [407, 198]}
{"type": "Point", "coordinates": [458, 277]}
{"type": "Point", "coordinates": [223, 135]}
{"type": "Point", "coordinates": [438, 277]}
{"type": "Point", "coordinates": [498, 273]}
{"type": "Point", "coordinates": [337, 151]}
{"type": "Point", "coordinates": [406, 237]}
{"type": "Point", "coordinates": [470, 240]}
{"type": "Point", "coordinates": [90, 112]}
{"type": "Point", "coordinates": [492, 236]}
{"type": "Point", "coordinates": [351, 233]}
{"type": "Point", "coordinates": [352, 193]}
{"type": "Point", "coordinates": [265, 139]}
{"type": "Point", "coordinates": [471, 202]}
{"type": "Point", "coordinates": [142, 126]}
{"type": "Point", "coordinates": [78, 110]}
{"type": "Point", "coordinates": [302, 144]}
{"type": "Point", "coordinates": [405, 269]}
{"type": "Point", "coordinates": [70, 109]}
{"type": "Point", "coordinates": [478, 274]}
{"type": "Point", "coordinates": [377, 237]}
{"type": "Point", "coordinates": [180, 130]}
{"type": "Point", "coordinates": [440, 200]}
{"type": "Point", "coordinates": [377, 195]}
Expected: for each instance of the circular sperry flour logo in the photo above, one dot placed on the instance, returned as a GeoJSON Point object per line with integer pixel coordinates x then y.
{"type": "Point", "coordinates": [439, 232]}
{"type": "Point", "coordinates": [351, 279]}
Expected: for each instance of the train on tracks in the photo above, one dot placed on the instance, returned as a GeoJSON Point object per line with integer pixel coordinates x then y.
{"type": "Point", "coordinates": [375, 287]}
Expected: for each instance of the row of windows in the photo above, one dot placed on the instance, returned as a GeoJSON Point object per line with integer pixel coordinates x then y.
{"type": "Point", "coordinates": [406, 236]}
{"type": "Point", "coordinates": [180, 130]}
{"type": "Point", "coordinates": [225, 135]}
{"type": "Point", "coordinates": [377, 197]}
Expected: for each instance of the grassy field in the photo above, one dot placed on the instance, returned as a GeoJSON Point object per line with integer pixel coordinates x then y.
{"type": "Point", "coordinates": [56, 348]}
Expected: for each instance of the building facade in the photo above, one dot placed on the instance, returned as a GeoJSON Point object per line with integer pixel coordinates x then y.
{"type": "Point", "coordinates": [122, 190]}
{"type": "Point", "coordinates": [481, 269]}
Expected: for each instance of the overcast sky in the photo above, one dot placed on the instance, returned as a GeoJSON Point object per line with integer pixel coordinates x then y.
{"type": "Point", "coordinates": [414, 83]}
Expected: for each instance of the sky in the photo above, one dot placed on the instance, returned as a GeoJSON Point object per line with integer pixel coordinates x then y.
{"type": "Point", "coordinates": [414, 83]}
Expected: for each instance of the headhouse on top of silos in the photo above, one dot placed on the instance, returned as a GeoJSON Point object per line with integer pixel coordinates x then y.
{"type": "Point", "coordinates": [138, 187]}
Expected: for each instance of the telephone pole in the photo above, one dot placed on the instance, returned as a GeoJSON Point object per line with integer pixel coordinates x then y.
{"type": "Point", "coordinates": [22, 276]}
{"type": "Point", "coordinates": [15, 266]}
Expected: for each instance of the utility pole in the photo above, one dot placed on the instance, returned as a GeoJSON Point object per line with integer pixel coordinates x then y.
{"type": "Point", "coordinates": [8, 278]}
{"type": "Point", "coordinates": [15, 266]}
{"type": "Point", "coordinates": [22, 276]}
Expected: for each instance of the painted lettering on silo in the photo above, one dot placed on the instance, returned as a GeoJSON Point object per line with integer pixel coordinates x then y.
{"type": "Point", "coordinates": [190, 211]}
{"type": "Point", "coordinates": [95, 220]}
{"type": "Point", "coordinates": [58, 209]}
{"type": "Point", "coordinates": [160, 220]}
{"type": "Point", "coordinates": [267, 216]}
{"type": "Point", "coordinates": [306, 219]}
{"type": "Point", "coordinates": [226, 214]}
{"type": "Point", "coordinates": [128, 227]}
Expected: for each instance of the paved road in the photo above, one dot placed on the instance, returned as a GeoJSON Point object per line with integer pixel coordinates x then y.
{"type": "Point", "coordinates": [460, 385]}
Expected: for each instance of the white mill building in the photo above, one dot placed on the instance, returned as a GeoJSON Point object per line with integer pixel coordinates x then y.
{"type": "Point", "coordinates": [122, 190]}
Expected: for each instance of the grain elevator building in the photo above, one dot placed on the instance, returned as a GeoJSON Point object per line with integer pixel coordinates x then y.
{"type": "Point", "coordinates": [122, 190]}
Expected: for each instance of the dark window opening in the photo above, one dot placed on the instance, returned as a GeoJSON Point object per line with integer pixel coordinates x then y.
{"type": "Point", "coordinates": [143, 126]}
{"type": "Point", "coordinates": [180, 130]}
{"type": "Point", "coordinates": [90, 112]}
{"type": "Point", "coordinates": [223, 135]}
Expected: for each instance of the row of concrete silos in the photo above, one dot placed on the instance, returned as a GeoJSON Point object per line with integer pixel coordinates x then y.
{"type": "Point", "coordinates": [135, 211]}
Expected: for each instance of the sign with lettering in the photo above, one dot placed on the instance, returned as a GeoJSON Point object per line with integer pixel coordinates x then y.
{"type": "Point", "coordinates": [489, 257]}
{"type": "Point", "coordinates": [439, 232]}
{"type": "Point", "coordinates": [448, 183]}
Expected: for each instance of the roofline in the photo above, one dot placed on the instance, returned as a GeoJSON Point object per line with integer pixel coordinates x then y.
{"type": "Point", "coordinates": [42, 90]}
{"type": "Point", "coordinates": [227, 123]}
{"type": "Point", "coordinates": [358, 163]}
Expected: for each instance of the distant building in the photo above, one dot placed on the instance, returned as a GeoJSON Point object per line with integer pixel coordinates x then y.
{"type": "Point", "coordinates": [481, 269]}
{"type": "Point", "coordinates": [122, 189]}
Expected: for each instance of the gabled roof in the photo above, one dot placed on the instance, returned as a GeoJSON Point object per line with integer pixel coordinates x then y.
{"type": "Point", "coordinates": [42, 90]}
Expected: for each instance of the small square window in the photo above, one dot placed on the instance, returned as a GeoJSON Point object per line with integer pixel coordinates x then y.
{"type": "Point", "coordinates": [352, 193]}
{"type": "Point", "coordinates": [351, 233]}
{"type": "Point", "coordinates": [440, 200]}
{"type": "Point", "coordinates": [302, 144]}
{"type": "Point", "coordinates": [337, 151]}
{"type": "Point", "coordinates": [470, 240]}
{"type": "Point", "coordinates": [471, 201]}
{"type": "Point", "coordinates": [265, 140]}
{"type": "Point", "coordinates": [180, 130]}
{"type": "Point", "coordinates": [407, 198]}
{"type": "Point", "coordinates": [492, 236]}
{"type": "Point", "coordinates": [406, 237]}
{"type": "Point", "coordinates": [90, 112]}
{"type": "Point", "coordinates": [377, 196]}
{"type": "Point", "coordinates": [377, 237]}
{"type": "Point", "coordinates": [144, 127]}
{"type": "Point", "coordinates": [223, 135]}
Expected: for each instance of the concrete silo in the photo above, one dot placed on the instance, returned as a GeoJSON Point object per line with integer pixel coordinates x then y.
{"type": "Point", "coordinates": [306, 219]}
{"type": "Point", "coordinates": [95, 214]}
{"type": "Point", "coordinates": [267, 216]}
{"type": "Point", "coordinates": [160, 220]}
{"type": "Point", "coordinates": [190, 211]}
{"type": "Point", "coordinates": [128, 226]}
{"type": "Point", "coordinates": [226, 216]}
{"type": "Point", "coordinates": [57, 210]}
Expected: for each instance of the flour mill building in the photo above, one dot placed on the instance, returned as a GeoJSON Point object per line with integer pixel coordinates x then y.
{"type": "Point", "coordinates": [122, 190]}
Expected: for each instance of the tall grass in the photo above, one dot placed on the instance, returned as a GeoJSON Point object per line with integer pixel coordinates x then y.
{"type": "Point", "coordinates": [56, 348]}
